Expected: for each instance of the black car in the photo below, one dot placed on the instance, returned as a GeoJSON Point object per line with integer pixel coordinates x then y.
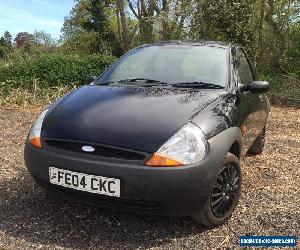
{"type": "Point", "coordinates": [161, 131]}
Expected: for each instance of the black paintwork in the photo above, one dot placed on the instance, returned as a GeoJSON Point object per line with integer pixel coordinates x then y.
{"type": "Point", "coordinates": [177, 191]}
{"type": "Point", "coordinates": [142, 119]}
{"type": "Point", "coordinates": [132, 117]}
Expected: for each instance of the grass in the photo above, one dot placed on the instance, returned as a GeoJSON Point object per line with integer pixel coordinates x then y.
{"type": "Point", "coordinates": [35, 96]}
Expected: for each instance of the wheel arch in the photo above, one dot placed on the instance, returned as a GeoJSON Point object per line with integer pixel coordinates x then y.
{"type": "Point", "coordinates": [236, 149]}
{"type": "Point", "coordinates": [228, 141]}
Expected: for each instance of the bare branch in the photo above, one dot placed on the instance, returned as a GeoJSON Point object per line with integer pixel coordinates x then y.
{"type": "Point", "coordinates": [133, 10]}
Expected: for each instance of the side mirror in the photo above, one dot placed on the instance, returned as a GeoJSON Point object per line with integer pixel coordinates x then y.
{"type": "Point", "coordinates": [256, 87]}
{"type": "Point", "coordinates": [90, 79]}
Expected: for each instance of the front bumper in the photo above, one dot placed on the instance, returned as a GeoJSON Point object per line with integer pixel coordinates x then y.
{"type": "Point", "coordinates": [176, 191]}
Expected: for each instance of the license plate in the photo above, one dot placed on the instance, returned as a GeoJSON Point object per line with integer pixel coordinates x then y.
{"type": "Point", "coordinates": [85, 182]}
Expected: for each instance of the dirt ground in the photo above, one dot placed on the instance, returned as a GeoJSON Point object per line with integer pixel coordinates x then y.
{"type": "Point", "coordinates": [31, 218]}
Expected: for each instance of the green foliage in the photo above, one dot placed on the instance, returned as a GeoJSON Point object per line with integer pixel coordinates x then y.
{"type": "Point", "coordinates": [283, 86]}
{"type": "Point", "coordinates": [27, 52]}
{"type": "Point", "coordinates": [5, 46]}
{"type": "Point", "coordinates": [268, 29]}
{"type": "Point", "coordinates": [294, 48]}
{"type": "Point", "coordinates": [27, 46]}
{"type": "Point", "coordinates": [5, 50]}
{"type": "Point", "coordinates": [7, 38]}
{"type": "Point", "coordinates": [88, 30]}
{"type": "Point", "coordinates": [43, 38]}
{"type": "Point", "coordinates": [53, 70]}
{"type": "Point", "coordinates": [83, 43]}
{"type": "Point", "coordinates": [226, 20]}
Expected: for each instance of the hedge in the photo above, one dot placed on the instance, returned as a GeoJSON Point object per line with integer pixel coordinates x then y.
{"type": "Point", "coordinates": [53, 70]}
{"type": "Point", "coordinates": [284, 86]}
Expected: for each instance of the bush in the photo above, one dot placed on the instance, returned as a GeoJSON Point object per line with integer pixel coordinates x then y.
{"type": "Point", "coordinates": [53, 70]}
{"type": "Point", "coordinates": [284, 86]}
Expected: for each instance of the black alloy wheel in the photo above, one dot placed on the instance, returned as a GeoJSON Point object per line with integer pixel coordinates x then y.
{"type": "Point", "coordinates": [224, 195]}
{"type": "Point", "coordinates": [225, 192]}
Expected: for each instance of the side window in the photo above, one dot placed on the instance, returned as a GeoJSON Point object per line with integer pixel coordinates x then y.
{"type": "Point", "coordinates": [244, 69]}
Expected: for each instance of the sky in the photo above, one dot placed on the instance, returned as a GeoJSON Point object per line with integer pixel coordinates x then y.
{"type": "Point", "coordinates": [30, 15]}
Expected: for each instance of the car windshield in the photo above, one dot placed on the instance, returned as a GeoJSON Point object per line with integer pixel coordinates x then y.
{"type": "Point", "coordinates": [172, 64]}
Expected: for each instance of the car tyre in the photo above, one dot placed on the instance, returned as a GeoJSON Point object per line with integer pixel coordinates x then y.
{"type": "Point", "coordinates": [225, 195]}
{"type": "Point", "coordinates": [259, 143]}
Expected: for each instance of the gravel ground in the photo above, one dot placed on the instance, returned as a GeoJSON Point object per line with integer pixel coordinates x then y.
{"type": "Point", "coordinates": [31, 218]}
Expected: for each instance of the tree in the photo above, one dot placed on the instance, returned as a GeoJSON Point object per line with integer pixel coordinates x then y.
{"type": "Point", "coordinates": [272, 27]}
{"type": "Point", "coordinates": [226, 20]}
{"type": "Point", "coordinates": [4, 49]}
{"type": "Point", "coordinates": [265, 27]}
{"type": "Point", "coordinates": [5, 45]}
{"type": "Point", "coordinates": [23, 38]}
{"type": "Point", "coordinates": [43, 38]}
{"type": "Point", "coordinates": [144, 12]}
{"type": "Point", "coordinates": [293, 52]}
{"type": "Point", "coordinates": [173, 18]}
{"type": "Point", "coordinates": [92, 16]}
{"type": "Point", "coordinates": [126, 25]}
{"type": "Point", "coordinates": [83, 43]}
{"type": "Point", "coordinates": [122, 22]}
{"type": "Point", "coordinates": [8, 38]}
{"type": "Point", "coordinates": [278, 33]}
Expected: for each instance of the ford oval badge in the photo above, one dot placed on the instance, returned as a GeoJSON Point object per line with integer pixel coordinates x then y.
{"type": "Point", "coordinates": [88, 149]}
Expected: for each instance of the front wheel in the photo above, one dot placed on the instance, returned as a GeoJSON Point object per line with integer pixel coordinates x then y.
{"type": "Point", "coordinates": [224, 195]}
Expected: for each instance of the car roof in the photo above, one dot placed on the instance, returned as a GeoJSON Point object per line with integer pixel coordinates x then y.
{"type": "Point", "coordinates": [219, 44]}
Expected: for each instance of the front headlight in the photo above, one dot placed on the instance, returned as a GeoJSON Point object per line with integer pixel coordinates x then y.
{"type": "Point", "coordinates": [187, 146]}
{"type": "Point", "coordinates": [35, 132]}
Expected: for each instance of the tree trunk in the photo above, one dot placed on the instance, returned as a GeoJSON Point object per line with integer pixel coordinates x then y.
{"type": "Point", "coordinates": [118, 22]}
{"type": "Point", "coordinates": [279, 38]}
{"type": "Point", "coordinates": [203, 20]}
{"type": "Point", "coordinates": [146, 31]}
{"type": "Point", "coordinates": [260, 30]}
{"type": "Point", "coordinates": [166, 34]}
{"type": "Point", "coordinates": [146, 22]}
{"type": "Point", "coordinates": [145, 15]}
{"type": "Point", "coordinates": [125, 35]}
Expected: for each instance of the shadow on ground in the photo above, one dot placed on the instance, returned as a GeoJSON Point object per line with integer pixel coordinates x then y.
{"type": "Point", "coordinates": [30, 213]}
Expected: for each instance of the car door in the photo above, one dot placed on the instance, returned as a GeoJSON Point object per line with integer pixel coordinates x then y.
{"type": "Point", "coordinates": [250, 105]}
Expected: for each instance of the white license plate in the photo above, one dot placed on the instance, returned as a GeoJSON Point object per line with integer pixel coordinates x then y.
{"type": "Point", "coordinates": [85, 182]}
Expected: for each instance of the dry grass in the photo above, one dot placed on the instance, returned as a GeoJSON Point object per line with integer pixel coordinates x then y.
{"type": "Point", "coordinates": [35, 96]}
{"type": "Point", "coordinates": [29, 218]}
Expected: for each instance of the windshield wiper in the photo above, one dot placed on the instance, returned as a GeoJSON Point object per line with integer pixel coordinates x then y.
{"type": "Point", "coordinates": [144, 81]}
{"type": "Point", "coordinates": [204, 85]}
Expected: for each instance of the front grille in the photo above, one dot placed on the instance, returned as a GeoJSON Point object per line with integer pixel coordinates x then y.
{"type": "Point", "coordinates": [102, 151]}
